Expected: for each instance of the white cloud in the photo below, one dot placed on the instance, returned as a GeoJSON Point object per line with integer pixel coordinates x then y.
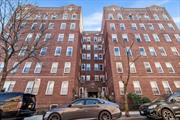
{"type": "Point", "coordinates": [144, 3]}
{"type": "Point", "coordinates": [93, 21]}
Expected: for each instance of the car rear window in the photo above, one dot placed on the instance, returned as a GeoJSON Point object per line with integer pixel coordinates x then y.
{"type": "Point", "coordinates": [8, 96]}
{"type": "Point", "coordinates": [29, 98]}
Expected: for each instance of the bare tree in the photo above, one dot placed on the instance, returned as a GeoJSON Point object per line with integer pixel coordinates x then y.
{"type": "Point", "coordinates": [126, 75]}
{"type": "Point", "coordinates": [16, 18]}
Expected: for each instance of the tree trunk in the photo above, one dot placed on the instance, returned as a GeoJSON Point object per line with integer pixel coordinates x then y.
{"type": "Point", "coordinates": [3, 79]}
{"type": "Point", "coordinates": [126, 106]}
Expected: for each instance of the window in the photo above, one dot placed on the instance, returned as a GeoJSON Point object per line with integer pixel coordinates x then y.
{"type": "Point", "coordinates": [88, 56]}
{"type": "Point", "coordinates": [64, 88]}
{"type": "Point", "coordinates": [120, 17]}
{"type": "Point", "coordinates": [88, 77]}
{"type": "Point", "coordinates": [63, 26]}
{"type": "Point", "coordinates": [71, 38]}
{"type": "Point", "coordinates": [43, 51]}
{"type": "Point", "coordinates": [9, 85]}
{"type": "Point", "coordinates": [169, 67]}
{"type": "Point", "coordinates": [33, 86]}
{"type": "Point", "coordinates": [177, 36]}
{"type": "Point", "coordinates": [50, 87]}
{"type": "Point", "coordinates": [65, 16]}
{"type": "Point", "coordinates": [114, 38]}
{"type": "Point", "coordinates": [47, 37]}
{"type": "Point", "coordinates": [69, 51]}
{"type": "Point", "coordinates": [42, 26]}
{"type": "Point", "coordinates": [119, 67]}
{"type": "Point", "coordinates": [167, 38]}
{"type": "Point", "coordinates": [125, 37]}
{"type": "Point", "coordinates": [122, 26]}
{"type": "Point", "coordinates": [88, 67]}
{"type": "Point", "coordinates": [96, 77]}
{"type": "Point", "coordinates": [152, 51]}
{"type": "Point", "coordinates": [116, 51]}
{"type": "Point", "coordinates": [133, 26]}
{"type": "Point", "coordinates": [27, 67]}
{"type": "Point", "coordinates": [110, 16]}
{"type": "Point", "coordinates": [142, 51]}
{"type": "Point", "coordinates": [22, 52]}
{"type": "Point", "coordinates": [137, 88]}
{"type": "Point", "coordinates": [128, 51]}
{"type": "Point", "coordinates": [121, 87]}
{"type": "Point", "coordinates": [138, 38]}
{"type": "Point", "coordinates": [29, 37]}
{"type": "Point", "coordinates": [177, 84]}
{"type": "Point", "coordinates": [159, 67]}
{"type": "Point", "coordinates": [54, 67]}
{"type": "Point", "coordinates": [1, 66]}
{"type": "Point", "coordinates": [60, 37]}
{"type": "Point", "coordinates": [154, 88]}
{"type": "Point", "coordinates": [53, 17]}
{"type": "Point", "coordinates": [156, 38]}
{"type": "Point", "coordinates": [57, 51]}
{"type": "Point", "coordinates": [166, 86]}
{"type": "Point", "coordinates": [92, 102]}
{"type": "Point", "coordinates": [112, 26]}
{"type": "Point", "coordinates": [142, 26]}
{"type": "Point", "coordinates": [88, 47]}
{"type": "Point", "coordinates": [51, 26]}
{"type": "Point", "coordinates": [38, 67]}
{"type": "Point", "coordinates": [150, 25]}
{"type": "Point", "coordinates": [83, 78]}
{"type": "Point", "coordinates": [74, 16]}
{"type": "Point", "coordinates": [79, 102]}
{"type": "Point", "coordinates": [72, 26]}
{"type": "Point", "coordinates": [161, 27]}
{"type": "Point", "coordinates": [67, 67]}
{"type": "Point", "coordinates": [162, 51]}
{"type": "Point", "coordinates": [83, 67]}
{"type": "Point", "coordinates": [37, 38]}
{"type": "Point", "coordinates": [165, 17]}
{"type": "Point", "coordinates": [15, 66]}
{"type": "Point", "coordinates": [146, 38]}
{"type": "Point", "coordinates": [156, 17]}
{"type": "Point", "coordinates": [34, 25]}
{"type": "Point", "coordinates": [132, 67]}
{"type": "Point", "coordinates": [171, 27]}
{"type": "Point", "coordinates": [147, 67]}
{"type": "Point", "coordinates": [175, 51]}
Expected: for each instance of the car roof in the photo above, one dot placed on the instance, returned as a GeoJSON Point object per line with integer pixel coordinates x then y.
{"type": "Point", "coordinates": [17, 93]}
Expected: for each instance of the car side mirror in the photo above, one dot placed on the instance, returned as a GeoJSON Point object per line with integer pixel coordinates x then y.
{"type": "Point", "coordinates": [70, 105]}
{"type": "Point", "coordinates": [172, 100]}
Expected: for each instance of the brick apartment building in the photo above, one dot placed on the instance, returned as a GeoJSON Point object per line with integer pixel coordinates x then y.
{"type": "Point", "coordinates": [80, 63]}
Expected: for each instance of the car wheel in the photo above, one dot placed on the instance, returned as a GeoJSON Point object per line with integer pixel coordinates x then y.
{"type": "Point", "coordinates": [105, 115]}
{"type": "Point", "coordinates": [54, 116]}
{"type": "Point", "coordinates": [167, 115]}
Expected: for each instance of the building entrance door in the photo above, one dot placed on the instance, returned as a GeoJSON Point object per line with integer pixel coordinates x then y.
{"type": "Point", "coordinates": [93, 94]}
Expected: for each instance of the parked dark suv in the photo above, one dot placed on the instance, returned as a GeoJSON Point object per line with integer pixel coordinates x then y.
{"type": "Point", "coordinates": [16, 105]}
{"type": "Point", "coordinates": [166, 107]}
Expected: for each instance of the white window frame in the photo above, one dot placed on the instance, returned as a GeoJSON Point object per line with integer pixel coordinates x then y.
{"type": "Point", "coordinates": [119, 67]}
{"type": "Point", "coordinates": [117, 53]}
{"type": "Point", "coordinates": [57, 53]}
{"type": "Point", "coordinates": [159, 67]}
{"type": "Point", "coordinates": [64, 88]}
{"type": "Point", "coordinates": [155, 88]}
{"type": "Point", "coordinates": [27, 66]}
{"type": "Point", "coordinates": [60, 37]}
{"type": "Point", "coordinates": [147, 66]}
{"type": "Point", "coordinates": [170, 67]}
{"type": "Point", "coordinates": [38, 67]}
{"type": "Point", "coordinates": [166, 86]}
{"type": "Point", "coordinates": [132, 67]}
{"type": "Point", "coordinates": [50, 88]}
{"type": "Point", "coordinates": [9, 86]}
{"type": "Point", "coordinates": [54, 67]}
{"type": "Point", "coordinates": [67, 67]}
{"type": "Point", "coordinates": [137, 87]}
{"type": "Point", "coordinates": [68, 50]}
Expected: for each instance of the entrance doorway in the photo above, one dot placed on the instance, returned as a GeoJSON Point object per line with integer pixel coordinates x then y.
{"type": "Point", "coordinates": [93, 94]}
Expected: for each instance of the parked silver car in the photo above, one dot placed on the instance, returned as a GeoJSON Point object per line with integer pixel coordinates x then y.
{"type": "Point", "coordinates": [91, 108]}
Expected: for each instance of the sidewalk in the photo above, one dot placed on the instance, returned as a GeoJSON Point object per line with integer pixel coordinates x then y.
{"type": "Point", "coordinates": [134, 115]}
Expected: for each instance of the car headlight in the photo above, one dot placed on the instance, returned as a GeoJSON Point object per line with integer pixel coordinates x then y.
{"type": "Point", "coordinates": [152, 106]}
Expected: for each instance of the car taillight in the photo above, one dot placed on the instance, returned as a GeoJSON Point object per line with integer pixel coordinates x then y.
{"type": "Point", "coordinates": [19, 105]}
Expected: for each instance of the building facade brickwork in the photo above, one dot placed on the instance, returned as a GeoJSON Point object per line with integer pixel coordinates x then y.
{"type": "Point", "coordinates": [79, 63]}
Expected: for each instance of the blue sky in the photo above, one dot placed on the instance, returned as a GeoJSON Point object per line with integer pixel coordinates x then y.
{"type": "Point", "coordinates": [92, 9]}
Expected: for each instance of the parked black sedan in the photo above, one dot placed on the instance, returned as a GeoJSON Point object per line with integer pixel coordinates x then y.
{"type": "Point", "coordinates": [166, 108]}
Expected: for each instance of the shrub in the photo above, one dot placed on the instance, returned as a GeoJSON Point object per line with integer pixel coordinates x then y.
{"type": "Point", "coordinates": [136, 100]}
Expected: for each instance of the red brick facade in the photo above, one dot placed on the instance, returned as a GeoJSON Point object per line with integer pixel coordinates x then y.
{"type": "Point", "coordinates": [93, 70]}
